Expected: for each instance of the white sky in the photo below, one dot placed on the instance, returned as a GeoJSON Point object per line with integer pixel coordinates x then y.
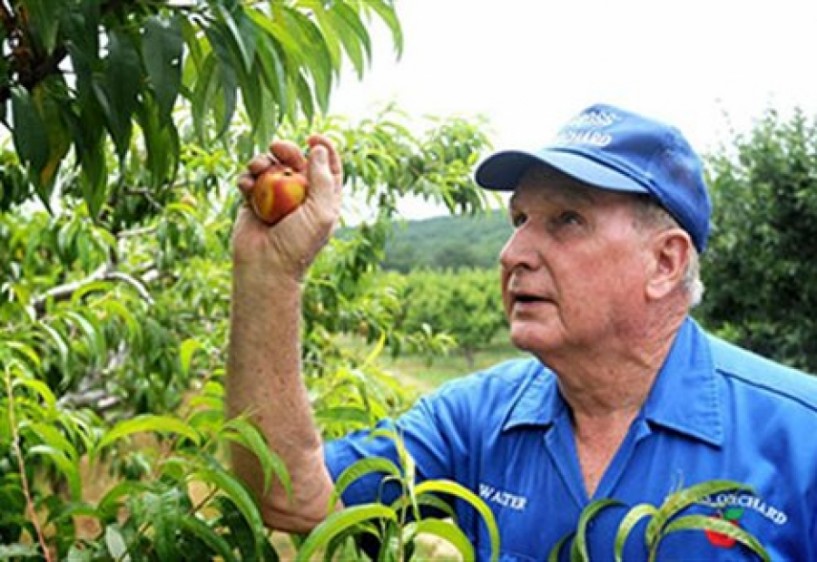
{"type": "Point", "coordinates": [707, 67]}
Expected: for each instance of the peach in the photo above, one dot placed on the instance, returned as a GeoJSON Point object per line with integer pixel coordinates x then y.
{"type": "Point", "coordinates": [277, 192]}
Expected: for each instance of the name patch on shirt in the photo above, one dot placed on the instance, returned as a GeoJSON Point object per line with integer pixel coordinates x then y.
{"type": "Point", "coordinates": [504, 498]}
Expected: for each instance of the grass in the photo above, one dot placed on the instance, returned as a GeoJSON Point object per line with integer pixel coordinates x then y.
{"type": "Point", "coordinates": [428, 373]}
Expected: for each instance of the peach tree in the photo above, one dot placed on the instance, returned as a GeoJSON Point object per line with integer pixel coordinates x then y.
{"type": "Point", "coordinates": [126, 126]}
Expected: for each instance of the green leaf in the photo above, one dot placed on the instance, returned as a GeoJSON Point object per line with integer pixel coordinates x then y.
{"type": "Point", "coordinates": [148, 422]}
{"type": "Point", "coordinates": [352, 34]}
{"type": "Point", "coordinates": [119, 92]}
{"type": "Point", "coordinates": [628, 523]}
{"type": "Point", "coordinates": [357, 470]}
{"type": "Point", "coordinates": [186, 350]}
{"type": "Point", "coordinates": [42, 390]}
{"type": "Point", "coordinates": [195, 526]}
{"type": "Point", "coordinates": [42, 23]}
{"type": "Point", "coordinates": [387, 13]}
{"type": "Point", "coordinates": [226, 80]}
{"type": "Point", "coordinates": [553, 555]}
{"type": "Point", "coordinates": [228, 485]}
{"type": "Point", "coordinates": [720, 526]}
{"type": "Point", "coordinates": [240, 33]}
{"type": "Point", "coordinates": [341, 521]}
{"type": "Point", "coordinates": [250, 437]}
{"type": "Point", "coordinates": [117, 547]}
{"type": "Point", "coordinates": [684, 498]}
{"type": "Point", "coordinates": [29, 131]}
{"type": "Point", "coordinates": [162, 50]}
{"type": "Point", "coordinates": [447, 531]}
{"type": "Point", "coordinates": [66, 467]}
{"type": "Point", "coordinates": [109, 504]}
{"type": "Point", "coordinates": [578, 552]}
{"type": "Point", "coordinates": [16, 551]}
{"type": "Point", "coordinates": [463, 493]}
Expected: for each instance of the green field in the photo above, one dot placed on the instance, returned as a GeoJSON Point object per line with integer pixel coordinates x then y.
{"type": "Point", "coordinates": [428, 373]}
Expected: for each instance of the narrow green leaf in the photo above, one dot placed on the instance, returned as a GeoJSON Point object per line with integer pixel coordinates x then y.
{"type": "Point", "coordinates": [201, 530]}
{"type": "Point", "coordinates": [57, 339]}
{"type": "Point", "coordinates": [64, 465]}
{"type": "Point", "coordinates": [340, 17]}
{"type": "Point", "coordinates": [447, 531]}
{"type": "Point", "coordinates": [42, 22]}
{"type": "Point", "coordinates": [223, 106]}
{"type": "Point", "coordinates": [148, 422]}
{"type": "Point", "coordinates": [162, 50]}
{"type": "Point", "coordinates": [134, 327]}
{"type": "Point", "coordinates": [339, 522]}
{"type": "Point", "coordinates": [720, 526]}
{"type": "Point", "coordinates": [109, 504]}
{"type": "Point", "coordinates": [684, 498]}
{"type": "Point", "coordinates": [42, 390]}
{"type": "Point", "coordinates": [628, 523]}
{"type": "Point", "coordinates": [251, 438]}
{"type": "Point", "coordinates": [186, 350]}
{"type": "Point", "coordinates": [29, 132]}
{"type": "Point", "coordinates": [117, 547]}
{"type": "Point", "coordinates": [122, 84]}
{"type": "Point", "coordinates": [553, 555]}
{"type": "Point", "coordinates": [463, 493]}
{"type": "Point", "coordinates": [228, 485]}
{"type": "Point", "coordinates": [357, 470]}
{"type": "Point", "coordinates": [239, 34]}
{"type": "Point", "coordinates": [387, 13]}
{"type": "Point", "coordinates": [579, 550]}
{"type": "Point", "coordinates": [25, 351]}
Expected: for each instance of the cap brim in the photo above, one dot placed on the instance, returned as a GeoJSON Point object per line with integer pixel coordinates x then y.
{"type": "Point", "coordinates": [503, 170]}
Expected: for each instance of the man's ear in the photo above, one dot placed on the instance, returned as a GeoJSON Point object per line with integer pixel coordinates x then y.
{"type": "Point", "coordinates": [671, 252]}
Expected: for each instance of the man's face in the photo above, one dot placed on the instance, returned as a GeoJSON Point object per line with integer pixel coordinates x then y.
{"type": "Point", "coordinates": [574, 270]}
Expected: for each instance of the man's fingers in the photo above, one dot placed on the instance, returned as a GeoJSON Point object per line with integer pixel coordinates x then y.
{"type": "Point", "coordinates": [246, 182]}
{"type": "Point", "coordinates": [289, 154]}
{"type": "Point", "coordinates": [335, 165]}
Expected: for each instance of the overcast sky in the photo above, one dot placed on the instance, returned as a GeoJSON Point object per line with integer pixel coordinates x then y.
{"type": "Point", "coordinates": [708, 67]}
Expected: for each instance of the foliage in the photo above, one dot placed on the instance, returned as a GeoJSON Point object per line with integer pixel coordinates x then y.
{"type": "Point", "coordinates": [79, 74]}
{"type": "Point", "coordinates": [107, 321]}
{"type": "Point", "coordinates": [465, 304]}
{"type": "Point", "coordinates": [761, 261]}
{"type": "Point", "coordinates": [396, 526]}
{"type": "Point", "coordinates": [665, 519]}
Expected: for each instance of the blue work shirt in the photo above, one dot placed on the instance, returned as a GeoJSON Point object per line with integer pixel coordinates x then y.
{"type": "Point", "coordinates": [715, 412]}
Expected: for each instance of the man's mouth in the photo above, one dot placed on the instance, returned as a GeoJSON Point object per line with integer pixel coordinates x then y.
{"type": "Point", "coordinates": [525, 299]}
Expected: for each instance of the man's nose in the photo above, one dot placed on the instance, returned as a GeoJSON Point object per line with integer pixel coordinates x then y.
{"type": "Point", "coordinates": [519, 251]}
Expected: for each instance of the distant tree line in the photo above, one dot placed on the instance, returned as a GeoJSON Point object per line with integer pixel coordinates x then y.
{"type": "Point", "coordinates": [448, 242]}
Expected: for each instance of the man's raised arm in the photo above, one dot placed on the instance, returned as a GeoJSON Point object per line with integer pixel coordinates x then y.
{"type": "Point", "coordinates": [264, 366]}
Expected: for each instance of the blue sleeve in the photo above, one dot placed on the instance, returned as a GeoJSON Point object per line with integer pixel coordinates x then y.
{"type": "Point", "coordinates": [431, 432]}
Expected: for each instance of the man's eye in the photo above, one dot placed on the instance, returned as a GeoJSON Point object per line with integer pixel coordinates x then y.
{"type": "Point", "coordinates": [518, 219]}
{"type": "Point", "coordinates": [569, 217]}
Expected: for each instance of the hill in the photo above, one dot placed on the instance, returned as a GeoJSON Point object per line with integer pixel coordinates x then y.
{"type": "Point", "coordinates": [448, 242]}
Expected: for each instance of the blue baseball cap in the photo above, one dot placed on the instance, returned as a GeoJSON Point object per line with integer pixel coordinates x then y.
{"type": "Point", "coordinates": [610, 148]}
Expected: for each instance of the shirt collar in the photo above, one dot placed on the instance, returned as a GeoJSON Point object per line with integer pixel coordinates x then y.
{"type": "Point", "coordinates": [684, 398]}
{"type": "Point", "coordinates": [538, 402]}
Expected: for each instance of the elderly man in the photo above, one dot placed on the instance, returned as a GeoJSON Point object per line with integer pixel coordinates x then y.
{"type": "Point", "coordinates": [625, 396]}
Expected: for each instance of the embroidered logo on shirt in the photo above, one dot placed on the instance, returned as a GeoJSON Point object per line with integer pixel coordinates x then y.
{"type": "Point", "coordinates": [501, 497]}
{"type": "Point", "coordinates": [731, 507]}
{"type": "Point", "coordinates": [733, 515]}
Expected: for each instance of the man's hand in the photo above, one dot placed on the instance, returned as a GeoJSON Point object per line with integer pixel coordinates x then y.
{"type": "Point", "coordinates": [289, 247]}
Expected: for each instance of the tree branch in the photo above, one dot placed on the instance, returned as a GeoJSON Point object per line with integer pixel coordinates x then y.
{"type": "Point", "coordinates": [104, 272]}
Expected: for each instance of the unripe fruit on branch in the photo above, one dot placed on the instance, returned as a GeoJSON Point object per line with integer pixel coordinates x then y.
{"type": "Point", "coordinates": [277, 192]}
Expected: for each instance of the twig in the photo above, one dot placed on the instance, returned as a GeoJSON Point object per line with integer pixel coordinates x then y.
{"type": "Point", "coordinates": [22, 468]}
